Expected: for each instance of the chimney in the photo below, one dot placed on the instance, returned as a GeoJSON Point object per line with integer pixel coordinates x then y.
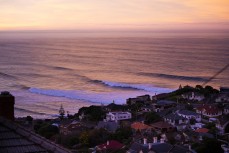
{"type": "Point", "coordinates": [108, 143]}
{"type": "Point", "coordinates": [7, 105]}
{"type": "Point", "coordinates": [162, 140]}
{"type": "Point", "coordinates": [154, 139]}
{"type": "Point", "coordinates": [145, 141]}
{"type": "Point", "coordinates": [150, 146]}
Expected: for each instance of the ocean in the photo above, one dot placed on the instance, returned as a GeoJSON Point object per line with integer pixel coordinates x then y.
{"type": "Point", "coordinates": [46, 69]}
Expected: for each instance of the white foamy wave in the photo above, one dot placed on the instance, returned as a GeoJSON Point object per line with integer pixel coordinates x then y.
{"type": "Point", "coordinates": [95, 97]}
{"type": "Point", "coordinates": [145, 87]}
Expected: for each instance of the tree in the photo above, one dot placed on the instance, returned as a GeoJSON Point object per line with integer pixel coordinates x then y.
{"type": "Point", "coordinates": [151, 117]}
{"type": "Point", "coordinates": [84, 138]}
{"type": "Point", "coordinates": [209, 145]}
{"type": "Point", "coordinates": [61, 112]}
{"type": "Point", "coordinates": [29, 119]}
{"type": "Point", "coordinates": [92, 113]}
{"type": "Point", "coordinates": [48, 131]}
{"type": "Point", "coordinates": [122, 134]}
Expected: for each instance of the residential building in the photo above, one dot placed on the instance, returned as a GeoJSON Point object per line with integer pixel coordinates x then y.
{"type": "Point", "coordinates": [209, 110]}
{"type": "Point", "coordinates": [139, 99]}
{"type": "Point", "coordinates": [177, 121]}
{"type": "Point", "coordinates": [70, 128]}
{"type": "Point", "coordinates": [226, 109]}
{"type": "Point", "coordinates": [110, 126]}
{"type": "Point", "coordinates": [138, 126]}
{"type": "Point", "coordinates": [193, 96]}
{"type": "Point", "coordinates": [162, 126]}
{"type": "Point", "coordinates": [117, 116]}
{"type": "Point", "coordinates": [162, 105]}
{"type": "Point", "coordinates": [156, 147]}
{"type": "Point", "coordinates": [111, 145]}
{"type": "Point", "coordinates": [189, 115]}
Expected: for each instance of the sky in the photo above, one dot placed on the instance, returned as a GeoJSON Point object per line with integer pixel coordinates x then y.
{"type": "Point", "coordinates": [113, 14]}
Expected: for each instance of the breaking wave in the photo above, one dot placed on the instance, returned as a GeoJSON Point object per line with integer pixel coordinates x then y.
{"type": "Point", "coordinates": [102, 97]}
{"type": "Point", "coordinates": [175, 77]}
{"type": "Point", "coordinates": [144, 87]}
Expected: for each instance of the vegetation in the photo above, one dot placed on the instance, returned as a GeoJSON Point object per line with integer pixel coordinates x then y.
{"type": "Point", "coordinates": [122, 134]}
{"type": "Point", "coordinates": [151, 117]}
{"type": "Point", "coordinates": [61, 112]}
{"type": "Point", "coordinates": [92, 113]}
{"type": "Point", "coordinates": [48, 130]}
{"type": "Point", "coordinates": [212, 128]}
{"type": "Point", "coordinates": [208, 146]}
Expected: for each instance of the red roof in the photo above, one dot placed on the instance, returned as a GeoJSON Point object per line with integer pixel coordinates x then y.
{"type": "Point", "coordinates": [140, 126]}
{"type": "Point", "coordinates": [112, 144]}
{"type": "Point", "coordinates": [210, 109]}
{"type": "Point", "coordinates": [202, 130]}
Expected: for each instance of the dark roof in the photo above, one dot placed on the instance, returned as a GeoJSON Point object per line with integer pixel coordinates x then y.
{"type": "Point", "coordinates": [226, 107]}
{"type": "Point", "coordinates": [157, 148]}
{"type": "Point", "coordinates": [187, 112]}
{"type": "Point", "coordinates": [165, 102]}
{"type": "Point", "coordinates": [161, 124]}
{"type": "Point", "coordinates": [174, 116]}
{"type": "Point", "coordinates": [16, 139]}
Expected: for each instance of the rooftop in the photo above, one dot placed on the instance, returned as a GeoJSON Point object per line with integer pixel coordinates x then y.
{"type": "Point", "coordinates": [165, 102]}
{"type": "Point", "coordinates": [111, 145]}
{"type": "Point", "coordinates": [140, 126]}
{"type": "Point", "coordinates": [202, 130]}
{"type": "Point", "coordinates": [187, 112]}
{"type": "Point", "coordinates": [161, 124]}
{"type": "Point", "coordinates": [14, 138]}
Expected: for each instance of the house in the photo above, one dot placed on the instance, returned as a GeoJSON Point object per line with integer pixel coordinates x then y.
{"type": "Point", "coordinates": [189, 115]}
{"type": "Point", "coordinates": [162, 126]}
{"type": "Point", "coordinates": [222, 98]}
{"type": "Point", "coordinates": [111, 145]}
{"type": "Point", "coordinates": [226, 109]}
{"type": "Point", "coordinates": [222, 125]}
{"type": "Point", "coordinates": [110, 126]}
{"type": "Point", "coordinates": [138, 126]}
{"type": "Point", "coordinates": [177, 121]}
{"type": "Point", "coordinates": [223, 95]}
{"type": "Point", "coordinates": [193, 96]}
{"type": "Point", "coordinates": [16, 139]}
{"type": "Point", "coordinates": [162, 105]}
{"type": "Point", "coordinates": [147, 108]}
{"type": "Point", "coordinates": [197, 126]}
{"type": "Point", "coordinates": [203, 132]}
{"type": "Point", "coordinates": [116, 107]}
{"type": "Point", "coordinates": [209, 110]}
{"type": "Point", "coordinates": [224, 89]}
{"type": "Point", "coordinates": [70, 128]}
{"type": "Point", "coordinates": [138, 99]}
{"type": "Point", "coordinates": [156, 147]}
{"type": "Point", "coordinates": [117, 116]}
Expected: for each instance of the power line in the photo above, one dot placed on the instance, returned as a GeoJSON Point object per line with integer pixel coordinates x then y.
{"type": "Point", "coordinates": [214, 76]}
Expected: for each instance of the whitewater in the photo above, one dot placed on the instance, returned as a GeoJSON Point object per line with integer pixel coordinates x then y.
{"type": "Point", "coordinates": [45, 70]}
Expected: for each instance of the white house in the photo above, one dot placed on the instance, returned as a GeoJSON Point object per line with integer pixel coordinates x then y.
{"type": "Point", "coordinates": [189, 115]}
{"type": "Point", "coordinates": [117, 116]}
{"type": "Point", "coordinates": [193, 96]}
{"type": "Point", "coordinates": [177, 121]}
